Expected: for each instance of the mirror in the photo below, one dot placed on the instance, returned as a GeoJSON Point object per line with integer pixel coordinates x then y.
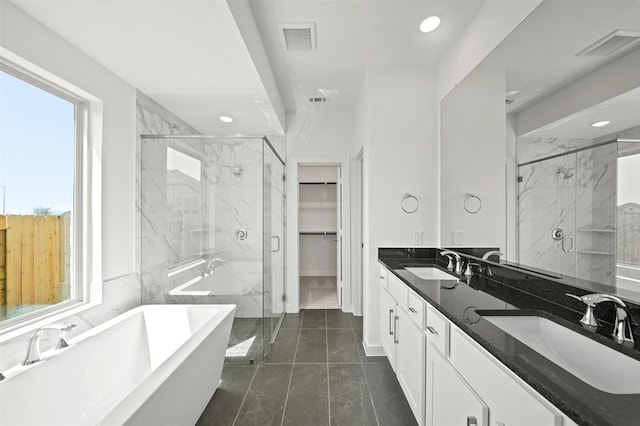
{"type": "Point", "coordinates": [567, 188]}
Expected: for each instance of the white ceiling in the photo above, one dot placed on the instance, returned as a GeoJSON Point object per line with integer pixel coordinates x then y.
{"type": "Point", "coordinates": [188, 55]}
{"type": "Point", "coordinates": [352, 34]}
{"type": "Point", "coordinates": [540, 55]}
{"type": "Point", "coordinates": [623, 111]}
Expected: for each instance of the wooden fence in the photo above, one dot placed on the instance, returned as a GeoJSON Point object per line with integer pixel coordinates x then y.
{"type": "Point", "coordinates": [34, 261]}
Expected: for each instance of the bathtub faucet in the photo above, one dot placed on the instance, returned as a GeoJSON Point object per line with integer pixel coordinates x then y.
{"type": "Point", "coordinates": [33, 351]}
{"type": "Point", "coordinates": [213, 264]}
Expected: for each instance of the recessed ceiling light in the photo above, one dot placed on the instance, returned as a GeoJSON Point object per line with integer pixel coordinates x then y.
{"type": "Point", "coordinates": [600, 123]}
{"type": "Point", "coordinates": [226, 119]}
{"type": "Point", "coordinates": [430, 24]}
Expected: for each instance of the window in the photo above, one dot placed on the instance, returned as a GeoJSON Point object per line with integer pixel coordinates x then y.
{"type": "Point", "coordinates": [45, 194]}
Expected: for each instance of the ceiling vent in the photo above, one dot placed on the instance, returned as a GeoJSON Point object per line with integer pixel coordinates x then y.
{"type": "Point", "coordinates": [318, 100]}
{"type": "Point", "coordinates": [611, 43]}
{"type": "Point", "coordinates": [299, 37]}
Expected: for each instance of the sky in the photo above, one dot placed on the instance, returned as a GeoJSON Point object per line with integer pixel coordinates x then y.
{"type": "Point", "coordinates": [37, 132]}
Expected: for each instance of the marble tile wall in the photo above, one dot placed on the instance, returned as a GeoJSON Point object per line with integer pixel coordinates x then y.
{"type": "Point", "coordinates": [575, 192]}
{"type": "Point", "coordinates": [201, 221]}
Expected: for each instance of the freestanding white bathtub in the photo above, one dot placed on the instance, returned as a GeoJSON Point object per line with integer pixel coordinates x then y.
{"type": "Point", "coordinates": [153, 365]}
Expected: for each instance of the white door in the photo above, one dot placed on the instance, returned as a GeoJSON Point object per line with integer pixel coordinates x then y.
{"type": "Point", "coordinates": [410, 363]}
{"type": "Point", "coordinates": [388, 324]}
{"type": "Point", "coordinates": [450, 400]}
{"type": "Point", "coordinates": [339, 237]}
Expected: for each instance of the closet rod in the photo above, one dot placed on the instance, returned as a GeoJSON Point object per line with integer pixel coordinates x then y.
{"type": "Point", "coordinates": [318, 183]}
{"type": "Point", "coordinates": [318, 233]}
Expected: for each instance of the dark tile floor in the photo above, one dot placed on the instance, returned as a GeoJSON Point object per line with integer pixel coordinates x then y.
{"type": "Point", "coordinates": [316, 373]}
{"type": "Point", "coordinates": [245, 341]}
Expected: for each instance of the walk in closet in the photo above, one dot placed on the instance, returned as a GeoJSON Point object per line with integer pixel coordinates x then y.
{"type": "Point", "coordinates": [320, 236]}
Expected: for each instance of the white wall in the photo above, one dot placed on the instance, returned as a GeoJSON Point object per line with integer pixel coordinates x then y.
{"type": "Point", "coordinates": [397, 128]}
{"type": "Point", "coordinates": [495, 20]}
{"type": "Point", "coordinates": [473, 123]}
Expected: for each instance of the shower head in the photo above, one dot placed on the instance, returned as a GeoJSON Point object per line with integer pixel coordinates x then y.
{"type": "Point", "coordinates": [565, 171]}
{"type": "Point", "coordinates": [237, 171]}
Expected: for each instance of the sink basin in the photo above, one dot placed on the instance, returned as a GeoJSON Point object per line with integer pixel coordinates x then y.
{"type": "Point", "coordinates": [427, 273]}
{"type": "Point", "coordinates": [594, 363]}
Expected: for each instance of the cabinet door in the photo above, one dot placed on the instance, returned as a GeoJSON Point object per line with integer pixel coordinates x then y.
{"type": "Point", "coordinates": [410, 363]}
{"type": "Point", "coordinates": [387, 325]}
{"type": "Point", "coordinates": [450, 400]}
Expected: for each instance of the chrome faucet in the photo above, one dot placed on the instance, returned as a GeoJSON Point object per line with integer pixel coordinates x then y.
{"type": "Point", "coordinates": [622, 328]}
{"type": "Point", "coordinates": [212, 264]}
{"type": "Point", "coordinates": [33, 351]}
{"type": "Point", "coordinates": [458, 267]}
{"type": "Point", "coordinates": [488, 254]}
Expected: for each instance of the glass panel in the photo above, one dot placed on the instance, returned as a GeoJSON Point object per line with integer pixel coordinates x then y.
{"type": "Point", "coordinates": [37, 163]}
{"type": "Point", "coordinates": [274, 221]}
{"type": "Point", "coordinates": [201, 230]}
{"type": "Point", "coordinates": [547, 202]}
{"type": "Point", "coordinates": [596, 214]}
{"type": "Point", "coordinates": [628, 216]}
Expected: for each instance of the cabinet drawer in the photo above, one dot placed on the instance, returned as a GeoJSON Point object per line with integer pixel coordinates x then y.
{"type": "Point", "coordinates": [499, 388]}
{"type": "Point", "coordinates": [416, 309]}
{"type": "Point", "coordinates": [438, 328]}
{"type": "Point", "coordinates": [383, 276]}
{"type": "Point", "coordinates": [398, 290]}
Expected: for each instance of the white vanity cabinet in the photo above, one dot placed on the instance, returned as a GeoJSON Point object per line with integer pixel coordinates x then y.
{"type": "Point", "coordinates": [450, 399]}
{"type": "Point", "coordinates": [447, 377]}
{"type": "Point", "coordinates": [403, 339]}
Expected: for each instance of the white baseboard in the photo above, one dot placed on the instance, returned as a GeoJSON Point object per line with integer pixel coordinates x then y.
{"type": "Point", "coordinates": [372, 350]}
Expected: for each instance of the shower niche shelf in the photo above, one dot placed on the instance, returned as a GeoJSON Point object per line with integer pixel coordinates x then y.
{"type": "Point", "coordinates": [612, 231]}
{"type": "Point", "coordinates": [594, 252]}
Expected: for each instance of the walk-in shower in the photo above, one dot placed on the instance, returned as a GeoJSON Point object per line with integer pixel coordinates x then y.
{"type": "Point", "coordinates": [212, 231]}
{"type": "Point", "coordinates": [579, 212]}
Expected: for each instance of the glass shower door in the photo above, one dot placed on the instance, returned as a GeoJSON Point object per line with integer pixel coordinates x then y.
{"type": "Point", "coordinates": [547, 214]}
{"type": "Point", "coordinates": [274, 253]}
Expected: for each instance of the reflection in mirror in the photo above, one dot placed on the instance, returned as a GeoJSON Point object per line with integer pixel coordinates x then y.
{"type": "Point", "coordinates": [570, 211]}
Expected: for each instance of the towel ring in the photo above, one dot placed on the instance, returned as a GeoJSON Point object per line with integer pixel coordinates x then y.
{"type": "Point", "coordinates": [409, 203]}
{"type": "Point", "coordinates": [472, 203]}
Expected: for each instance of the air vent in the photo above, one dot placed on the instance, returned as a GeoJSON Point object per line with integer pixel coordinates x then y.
{"type": "Point", "coordinates": [611, 43]}
{"type": "Point", "coordinates": [318, 100]}
{"type": "Point", "coordinates": [299, 37]}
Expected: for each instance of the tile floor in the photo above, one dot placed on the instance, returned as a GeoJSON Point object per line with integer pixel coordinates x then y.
{"type": "Point", "coordinates": [245, 341]}
{"type": "Point", "coordinates": [316, 373]}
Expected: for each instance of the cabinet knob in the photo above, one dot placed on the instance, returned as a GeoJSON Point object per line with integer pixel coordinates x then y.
{"type": "Point", "coordinates": [431, 330]}
{"type": "Point", "coordinates": [413, 310]}
{"type": "Point", "coordinates": [472, 421]}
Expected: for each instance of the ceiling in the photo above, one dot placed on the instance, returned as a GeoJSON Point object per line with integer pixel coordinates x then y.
{"type": "Point", "coordinates": [623, 111]}
{"type": "Point", "coordinates": [188, 55]}
{"type": "Point", "coordinates": [540, 56]}
{"type": "Point", "coordinates": [353, 34]}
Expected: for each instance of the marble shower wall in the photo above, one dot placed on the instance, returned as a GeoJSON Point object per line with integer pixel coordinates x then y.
{"type": "Point", "coordinates": [191, 213]}
{"type": "Point", "coordinates": [575, 192]}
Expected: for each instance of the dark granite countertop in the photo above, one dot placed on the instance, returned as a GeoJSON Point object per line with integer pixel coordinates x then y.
{"type": "Point", "coordinates": [464, 302]}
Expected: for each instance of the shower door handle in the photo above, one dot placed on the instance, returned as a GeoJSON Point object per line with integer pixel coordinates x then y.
{"type": "Point", "coordinates": [277, 238]}
{"type": "Point", "coordinates": [564, 239]}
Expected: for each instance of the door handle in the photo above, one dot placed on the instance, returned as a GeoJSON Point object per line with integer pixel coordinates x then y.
{"type": "Point", "coordinates": [277, 238]}
{"type": "Point", "coordinates": [390, 315]}
{"type": "Point", "coordinates": [431, 330]}
{"type": "Point", "coordinates": [395, 329]}
{"type": "Point", "coordinates": [412, 310]}
{"type": "Point", "coordinates": [563, 241]}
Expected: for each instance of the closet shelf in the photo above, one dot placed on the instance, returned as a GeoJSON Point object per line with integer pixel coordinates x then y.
{"type": "Point", "coordinates": [603, 253]}
{"type": "Point", "coordinates": [597, 230]}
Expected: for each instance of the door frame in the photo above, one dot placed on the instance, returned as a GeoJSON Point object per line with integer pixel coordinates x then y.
{"type": "Point", "coordinates": [357, 234]}
{"type": "Point", "coordinates": [293, 242]}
